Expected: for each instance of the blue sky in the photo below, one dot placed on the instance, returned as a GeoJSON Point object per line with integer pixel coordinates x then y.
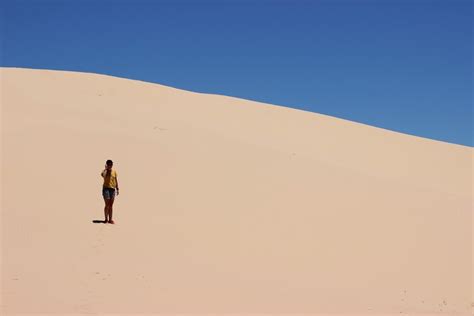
{"type": "Point", "coordinates": [397, 64]}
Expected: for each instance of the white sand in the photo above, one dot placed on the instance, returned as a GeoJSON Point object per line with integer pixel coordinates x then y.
{"type": "Point", "coordinates": [227, 206]}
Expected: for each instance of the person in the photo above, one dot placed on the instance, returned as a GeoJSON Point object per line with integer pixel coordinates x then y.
{"type": "Point", "coordinates": [108, 190]}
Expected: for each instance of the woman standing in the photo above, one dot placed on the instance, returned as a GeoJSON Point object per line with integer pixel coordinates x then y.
{"type": "Point", "coordinates": [108, 189]}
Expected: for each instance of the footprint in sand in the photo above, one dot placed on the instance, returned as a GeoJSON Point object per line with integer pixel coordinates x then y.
{"type": "Point", "coordinates": [160, 128]}
{"type": "Point", "coordinates": [83, 308]}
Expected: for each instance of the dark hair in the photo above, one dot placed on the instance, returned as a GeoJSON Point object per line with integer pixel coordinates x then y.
{"type": "Point", "coordinates": [109, 162]}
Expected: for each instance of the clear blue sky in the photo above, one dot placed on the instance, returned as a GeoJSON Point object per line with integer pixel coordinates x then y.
{"type": "Point", "coordinates": [396, 64]}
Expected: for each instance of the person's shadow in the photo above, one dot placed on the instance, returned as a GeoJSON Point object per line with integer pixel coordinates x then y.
{"type": "Point", "coordinates": [96, 221]}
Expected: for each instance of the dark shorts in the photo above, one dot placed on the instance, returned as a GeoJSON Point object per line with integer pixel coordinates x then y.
{"type": "Point", "coordinates": [108, 193]}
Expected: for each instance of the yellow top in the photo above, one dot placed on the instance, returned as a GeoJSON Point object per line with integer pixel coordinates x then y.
{"type": "Point", "coordinates": [111, 181]}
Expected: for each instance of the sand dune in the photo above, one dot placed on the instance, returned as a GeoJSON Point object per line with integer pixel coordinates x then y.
{"type": "Point", "coordinates": [226, 206]}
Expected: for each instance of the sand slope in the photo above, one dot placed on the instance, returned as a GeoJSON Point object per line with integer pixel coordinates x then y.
{"type": "Point", "coordinates": [226, 206]}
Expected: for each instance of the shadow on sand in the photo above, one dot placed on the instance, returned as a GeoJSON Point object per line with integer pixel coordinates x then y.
{"type": "Point", "coordinates": [96, 221]}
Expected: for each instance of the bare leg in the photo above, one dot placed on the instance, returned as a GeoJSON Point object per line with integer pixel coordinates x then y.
{"type": "Point", "coordinates": [110, 208]}
{"type": "Point", "coordinates": [106, 210]}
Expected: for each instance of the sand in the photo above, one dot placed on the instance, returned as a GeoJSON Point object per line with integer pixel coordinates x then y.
{"type": "Point", "coordinates": [226, 206]}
